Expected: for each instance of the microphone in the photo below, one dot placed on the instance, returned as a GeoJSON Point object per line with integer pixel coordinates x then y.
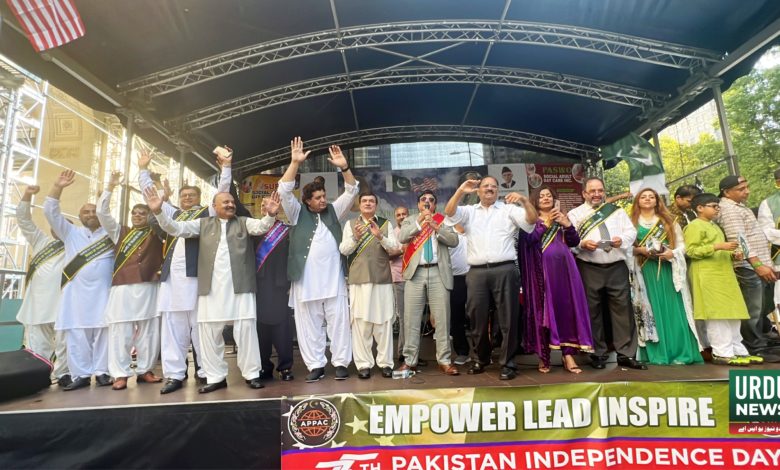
{"type": "Point", "coordinates": [427, 206]}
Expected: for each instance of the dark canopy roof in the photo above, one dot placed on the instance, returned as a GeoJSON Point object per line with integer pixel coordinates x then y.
{"type": "Point", "coordinates": [559, 76]}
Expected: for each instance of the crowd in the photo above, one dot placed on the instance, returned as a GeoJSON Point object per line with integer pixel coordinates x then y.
{"type": "Point", "coordinates": [656, 284]}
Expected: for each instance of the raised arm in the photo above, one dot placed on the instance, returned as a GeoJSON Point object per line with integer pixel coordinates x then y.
{"type": "Point", "coordinates": [103, 212]}
{"type": "Point", "coordinates": [271, 209]}
{"type": "Point", "coordinates": [467, 187]}
{"type": "Point", "coordinates": [145, 181]}
{"type": "Point", "coordinates": [31, 232]}
{"type": "Point", "coordinates": [185, 229]}
{"type": "Point", "coordinates": [51, 207]}
{"type": "Point", "coordinates": [524, 217]}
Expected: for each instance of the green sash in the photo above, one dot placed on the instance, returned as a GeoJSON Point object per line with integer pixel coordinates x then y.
{"type": "Point", "coordinates": [773, 202]}
{"type": "Point", "coordinates": [549, 235]}
{"type": "Point", "coordinates": [365, 240]}
{"type": "Point", "coordinates": [656, 231]}
{"type": "Point", "coordinates": [52, 249]}
{"type": "Point", "coordinates": [184, 216]}
{"type": "Point", "coordinates": [84, 257]}
{"type": "Point", "coordinates": [598, 217]}
{"type": "Point", "coordinates": [132, 241]}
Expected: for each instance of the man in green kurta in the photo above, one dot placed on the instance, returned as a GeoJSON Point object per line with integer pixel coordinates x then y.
{"type": "Point", "coordinates": [717, 298]}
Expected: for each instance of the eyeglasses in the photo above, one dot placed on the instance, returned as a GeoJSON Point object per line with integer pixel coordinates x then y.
{"type": "Point", "coordinates": [428, 199]}
{"type": "Point", "coordinates": [713, 206]}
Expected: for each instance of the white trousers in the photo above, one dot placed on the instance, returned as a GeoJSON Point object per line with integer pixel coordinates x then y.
{"type": "Point", "coordinates": [87, 351]}
{"type": "Point", "coordinates": [725, 338]}
{"type": "Point", "coordinates": [144, 335]}
{"type": "Point", "coordinates": [51, 344]}
{"type": "Point", "coordinates": [312, 319]}
{"type": "Point", "coordinates": [179, 329]}
{"type": "Point", "coordinates": [363, 336]}
{"type": "Point", "coordinates": [212, 346]}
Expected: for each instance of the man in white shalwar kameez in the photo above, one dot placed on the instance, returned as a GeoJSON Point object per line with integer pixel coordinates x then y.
{"type": "Point", "coordinates": [42, 297]}
{"type": "Point", "coordinates": [177, 298]}
{"type": "Point", "coordinates": [318, 292]}
{"type": "Point", "coordinates": [131, 312]}
{"type": "Point", "coordinates": [226, 284]}
{"type": "Point", "coordinates": [368, 242]}
{"type": "Point", "coordinates": [87, 275]}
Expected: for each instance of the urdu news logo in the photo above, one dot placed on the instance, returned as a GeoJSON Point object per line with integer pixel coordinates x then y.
{"type": "Point", "coordinates": [754, 402]}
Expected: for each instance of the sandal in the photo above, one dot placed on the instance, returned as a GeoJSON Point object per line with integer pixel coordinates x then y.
{"type": "Point", "coordinates": [543, 368]}
{"type": "Point", "coordinates": [574, 369]}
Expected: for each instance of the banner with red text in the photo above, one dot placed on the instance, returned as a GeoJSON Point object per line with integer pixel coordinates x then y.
{"type": "Point", "coordinates": [575, 425]}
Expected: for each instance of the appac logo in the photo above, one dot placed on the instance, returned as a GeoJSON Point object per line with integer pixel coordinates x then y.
{"type": "Point", "coordinates": [314, 422]}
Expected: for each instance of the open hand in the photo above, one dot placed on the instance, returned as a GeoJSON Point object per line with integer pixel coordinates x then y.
{"type": "Point", "coordinates": [65, 179]}
{"type": "Point", "coordinates": [153, 200]}
{"type": "Point", "coordinates": [271, 204]}
{"type": "Point", "coordinates": [337, 158]}
{"type": "Point", "coordinates": [297, 155]}
{"type": "Point", "coordinates": [468, 186]}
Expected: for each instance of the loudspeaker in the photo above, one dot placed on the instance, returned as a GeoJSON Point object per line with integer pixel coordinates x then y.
{"type": "Point", "coordinates": [23, 373]}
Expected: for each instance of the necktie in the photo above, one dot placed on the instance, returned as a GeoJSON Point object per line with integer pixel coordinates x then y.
{"type": "Point", "coordinates": [428, 250]}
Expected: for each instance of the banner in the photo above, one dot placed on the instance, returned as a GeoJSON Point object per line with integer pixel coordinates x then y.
{"type": "Point", "coordinates": [565, 179]}
{"type": "Point", "coordinates": [254, 188]}
{"type": "Point", "coordinates": [574, 425]}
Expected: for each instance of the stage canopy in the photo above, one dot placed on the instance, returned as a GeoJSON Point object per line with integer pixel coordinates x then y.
{"type": "Point", "coordinates": [557, 76]}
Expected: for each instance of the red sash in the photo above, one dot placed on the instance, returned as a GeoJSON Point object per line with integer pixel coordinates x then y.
{"type": "Point", "coordinates": [419, 240]}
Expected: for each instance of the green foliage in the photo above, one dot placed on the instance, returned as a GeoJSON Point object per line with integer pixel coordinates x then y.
{"type": "Point", "coordinates": [753, 110]}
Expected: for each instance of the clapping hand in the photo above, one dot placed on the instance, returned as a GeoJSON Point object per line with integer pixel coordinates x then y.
{"type": "Point", "coordinates": [358, 231]}
{"type": "Point", "coordinates": [375, 230]}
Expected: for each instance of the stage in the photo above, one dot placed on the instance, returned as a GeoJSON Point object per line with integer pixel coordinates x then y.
{"type": "Point", "coordinates": [236, 427]}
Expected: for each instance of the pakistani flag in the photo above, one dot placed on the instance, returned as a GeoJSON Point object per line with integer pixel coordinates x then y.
{"type": "Point", "coordinates": [643, 160]}
{"type": "Point", "coordinates": [400, 184]}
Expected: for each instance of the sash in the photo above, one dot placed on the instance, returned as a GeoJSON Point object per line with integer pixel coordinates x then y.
{"type": "Point", "coordinates": [365, 240]}
{"type": "Point", "coordinates": [271, 240]}
{"type": "Point", "coordinates": [132, 242]}
{"type": "Point", "coordinates": [419, 240]}
{"type": "Point", "coordinates": [598, 217]}
{"type": "Point", "coordinates": [549, 235]}
{"type": "Point", "coordinates": [52, 249]}
{"type": "Point", "coordinates": [84, 257]}
{"type": "Point", "coordinates": [773, 202]}
{"type": "Point", "coordinates": [190, 214]}
{"type": "Point", "coordinates": [656, 231]}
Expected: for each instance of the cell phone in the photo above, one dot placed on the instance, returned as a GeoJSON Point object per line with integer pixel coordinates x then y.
{"type": "Point", "coordinates": [605, 244]}
{"type": "Point", "coordinates": [557, 204]}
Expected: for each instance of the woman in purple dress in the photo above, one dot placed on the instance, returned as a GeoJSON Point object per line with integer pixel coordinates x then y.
{"type": "Point", "coordinates": [556, 308]}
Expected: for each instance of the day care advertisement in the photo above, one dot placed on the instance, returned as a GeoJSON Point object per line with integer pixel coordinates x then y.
{"type": "Point", "coordinates": [568, 426]}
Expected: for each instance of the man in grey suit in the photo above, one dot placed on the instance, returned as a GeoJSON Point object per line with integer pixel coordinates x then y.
{"type": "Point", "coordinates": [428, 273]}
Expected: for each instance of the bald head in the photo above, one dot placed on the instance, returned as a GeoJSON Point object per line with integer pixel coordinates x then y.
{"type": "Point", "coordinates": [88, 216]}
{"type": "Point", "coordinates": [224, 205]}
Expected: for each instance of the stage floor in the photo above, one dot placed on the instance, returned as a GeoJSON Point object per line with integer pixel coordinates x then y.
{"type": "Point", "coordinates": [54, 398]}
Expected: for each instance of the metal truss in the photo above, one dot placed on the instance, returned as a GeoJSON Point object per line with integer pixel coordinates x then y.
{"type": "Point", "coordinates": [570, 84]}
{"type": "Point", "coordinates": [507, 137]}
{"type": "Point", "coordinates": [465, 31]}
{"type": "Point", "coordinates": [22, 110]}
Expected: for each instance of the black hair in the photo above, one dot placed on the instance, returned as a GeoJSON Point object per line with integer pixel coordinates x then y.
{"type": "Point", "coordinates": [427, 191]}
{"type": "Point", "coordinates": [703, 199]}
{"type": "Point", "coordinates": [687, 190]}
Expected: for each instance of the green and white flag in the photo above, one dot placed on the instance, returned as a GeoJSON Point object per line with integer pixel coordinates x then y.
{"type": "Point", "coordinates": [644, 163]}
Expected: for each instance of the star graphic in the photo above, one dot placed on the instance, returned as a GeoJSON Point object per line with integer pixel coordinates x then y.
{"type": "Point", "coordinates": [636, 149]}
{"type": "Point", "coordinates": [302, 446]}
{"type": "Point", "coordinates": [345, 396]}
{"type": "Point", "coordinates": [335, 444]}
{"type": "Point", "coordinates": [385, 440]}
{"type": "Point", "coordinates": [288, 412]}
{"type": "Point", "coordinates": [357, 425]}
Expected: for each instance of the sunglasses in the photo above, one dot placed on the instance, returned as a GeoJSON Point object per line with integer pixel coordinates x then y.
{"type": "Point", "coordinates": [427, 199]}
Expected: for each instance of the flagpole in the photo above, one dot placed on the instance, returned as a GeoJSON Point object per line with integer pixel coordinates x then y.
{"type": "Point", "coordinates": [725, 130]}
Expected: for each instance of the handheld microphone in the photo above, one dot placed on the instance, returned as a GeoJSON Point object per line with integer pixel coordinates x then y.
{"type": "Point", "coordinates": [427, 206]}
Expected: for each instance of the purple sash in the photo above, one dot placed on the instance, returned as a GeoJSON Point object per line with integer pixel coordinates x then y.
{"type": "Point", "coordinates": [270, 241]}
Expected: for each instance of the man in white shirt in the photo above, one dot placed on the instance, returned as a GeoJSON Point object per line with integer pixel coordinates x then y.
{"type": "Point", "coordinates": [367, 243]}
{"type": "Point", "coordinates": [491, 228]}
{"type": "Point", "coordinates": [42, 297]}
{"type": "Point", "coordinates": [315, 266]}
{"type": "Point", "coordinates": [606, 233]}
{"type": "Point", "coordinates": [226, 283]}
{"type": "Point", "coordinates": [86, 276]}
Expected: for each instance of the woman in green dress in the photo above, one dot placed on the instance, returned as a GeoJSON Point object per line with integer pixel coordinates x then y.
{"type": "Point", "coordinates": [666, 330]}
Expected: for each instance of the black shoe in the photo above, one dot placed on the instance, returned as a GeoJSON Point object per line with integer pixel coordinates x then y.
{"type": "Point", "coordinates": [256, 383]}
{"type": "Point", "coordinates": [286, 375]}
{"type": "Point", "coordinates": [597, 362]}
{"type": "Point", "coordinates": [267, 374]}
{"type": "Point", "coordinates": [211, 387]}
{"type": "Point", "coordinates": [201, 380]}
{"type": "Point", "coordinates": [631, 363]}
{"type": "Point", "coordinates": [422, 363]}
{"type": "Point", "coordinates": [364, 374]}
{"type": "Point", "coordinates": [387, 372]}
{"type": "Point", "coordinates": [476, 368]}
{"type": "Point", "coordinates": [315, 375]}
{"type": "Point", "coordinates": [103, 380]}
{"type": "Point", "coordinates": [400, 358]}
{"type": "Point", "coordinates": [507, 373]}
{"type": "Point", "coordinates": [171, 385]}
{"type": "Point", "coordinates": [64, 381]}
{"type": "Point", "coordinates": [341, 373]}
{"type": "Point", "coordinates": [80, 382]}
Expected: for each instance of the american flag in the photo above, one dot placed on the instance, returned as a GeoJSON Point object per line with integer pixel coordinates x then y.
{"type": "Point", "coordinates": [48, 23]}
{"type": "Point", "coordinates": [422, 184]}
